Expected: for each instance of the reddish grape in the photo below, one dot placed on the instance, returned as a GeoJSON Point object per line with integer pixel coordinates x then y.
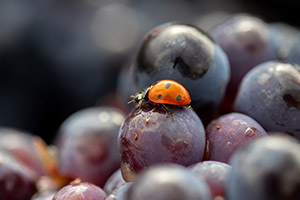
{"type": "Point", "coordinates": [87, 144]}
{"type": "Point", "coordinates": [17, 181]}
{"type": "Point", "coordinates": [80, 191]}
{"type": "Point", "coordinates": [23, 146]}
{"type": "Point", "coordinates": [215, 174]}
{"type": "Point", "coordinates": [149, 135]}
{"type": "Point", "coordinates": [228, 133]}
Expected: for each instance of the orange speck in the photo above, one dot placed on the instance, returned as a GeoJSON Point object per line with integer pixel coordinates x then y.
{"type": "Point", "coordinates": [147, 121]}
{"type": "Point", "coordinates": [136, 137]}
{"type": "Point", "coordinates": [218, 127]}
{"type": "Point", "coordinates": [77, 180]}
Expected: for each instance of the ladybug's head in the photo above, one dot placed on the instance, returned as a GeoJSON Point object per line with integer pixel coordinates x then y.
{"type": "Point", "coordinates": [140, 96]}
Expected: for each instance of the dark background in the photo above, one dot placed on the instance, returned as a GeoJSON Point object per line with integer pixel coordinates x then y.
{"type": "Point", "coordinates": [60, 56]}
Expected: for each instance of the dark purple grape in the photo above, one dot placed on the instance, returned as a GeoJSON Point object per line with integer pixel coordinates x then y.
{"type": "Point", "coordinates": [80, 191]}
{"type": "Point", "coordinates": [149, 135]}
{"type": "Point", "coordinates": [119, 193]}
{"type": "Point", "coordinates": [228, 133]}
{"type": "Point", "coordinates": [247, 41]}
{"type": "Point", "coordinates": [266, 169]}
{"type": "Point", "coordinates": [168, 182]}
{"type": "Point", "coordinates": [189, 56]}
{"type": "Point", "coordinates": [114, 181]}
{"type": "Point", "coordinates": [270, 93]}
{"type": "Point", "coordinates": [17, 181]}
{"type": "Point", "coordinates": [87, 144]}
{"type": "Point", "coordinates": [215, 174]}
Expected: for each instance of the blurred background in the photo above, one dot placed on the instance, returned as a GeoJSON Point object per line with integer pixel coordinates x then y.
{"type": "Point", "coordinates": [59, 56]}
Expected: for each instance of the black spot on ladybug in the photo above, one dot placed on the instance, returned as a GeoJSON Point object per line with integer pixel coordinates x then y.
{"type": "Point", "coordinates": [168, 85]}
{"type": "Point", "coordinates": [159, 96]}
{"type": "Point", "coordinates": [178, 98]}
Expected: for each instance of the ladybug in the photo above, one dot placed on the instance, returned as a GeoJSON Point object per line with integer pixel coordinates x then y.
{"type": "Point", "coordinates": [164, 92]}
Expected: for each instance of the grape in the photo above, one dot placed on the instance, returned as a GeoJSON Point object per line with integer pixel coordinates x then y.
{"type": "Point", "coordinates": [120, 193]}
{"type": "Point", "coordinates": [168, 182]}
{"type": "Point", "coordinates": [247, 41]}
{"type": "Point", "coordinates": [87, 144]}
{"type": "Point", "coordinates": [17, 181]}
{"type": "Point", "coordinates": [22, 145]}
{"type": "Point", "coordinates": [114, 181]}
{"type": "Point", "coordinates": [215, 174]}
{"type": "Point", "coordinates": [80, 191]}
{"type": "Point", "coordinates": [270, 93]}
{"type": "Point", "coordinates": [189, 56]}
{"type": "Point", "coordinates": [149, 135]}
{"type": "Point", "coordinates": [228, 133]}
{"type": "Point", "coordinates": [267, 168]}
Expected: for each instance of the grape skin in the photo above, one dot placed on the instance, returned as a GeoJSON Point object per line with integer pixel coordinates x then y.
{"type": "Point", "coordinates": [149, 135]}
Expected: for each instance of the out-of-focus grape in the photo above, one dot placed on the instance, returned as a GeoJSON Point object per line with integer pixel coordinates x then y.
{"type": "Point", "coordinates": [266, 169]}
{"type": "Point", "coordinates": [17, 181]}
{"type": "Point", "coordinates": [294, 53]}
{"type": "Point", "coordinates": [166, 182]}
{"type": "Point", "coordinates": [87, 144]}
{"type": "Point", "coordinates": [23, 146]}
{"type": "Point", "coordinates": [119, 193]}
{"type": "Point", "coordinates": [114, 181]}
{"type": "Point", "coordinates": [80, 191]}
{"type": "Point", "coordinates": [215, 174]}
{"type": "Point", "coordinates": [289, 34]}
{"type": "Point", "coordinates": [247, 41]}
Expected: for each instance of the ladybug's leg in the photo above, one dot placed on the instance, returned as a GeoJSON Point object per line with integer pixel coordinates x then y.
{"type": "Point", "coordinates": [140, 103]}
{"type": "Point", "coordinates": [189, 106]}
{"type": "Point", "coordinates": [167, 109]}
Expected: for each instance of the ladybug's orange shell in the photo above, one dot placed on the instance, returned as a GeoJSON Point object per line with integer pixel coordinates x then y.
{"type": "Point", "coordinates": [169, 92]}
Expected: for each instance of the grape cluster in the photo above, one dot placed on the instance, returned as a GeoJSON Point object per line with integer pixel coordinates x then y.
{"type": "Point", "coordinates": [237, 139]}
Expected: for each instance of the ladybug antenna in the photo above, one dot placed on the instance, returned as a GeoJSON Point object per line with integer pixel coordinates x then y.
{"type": "Point", "coordinates": [132, 100]}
